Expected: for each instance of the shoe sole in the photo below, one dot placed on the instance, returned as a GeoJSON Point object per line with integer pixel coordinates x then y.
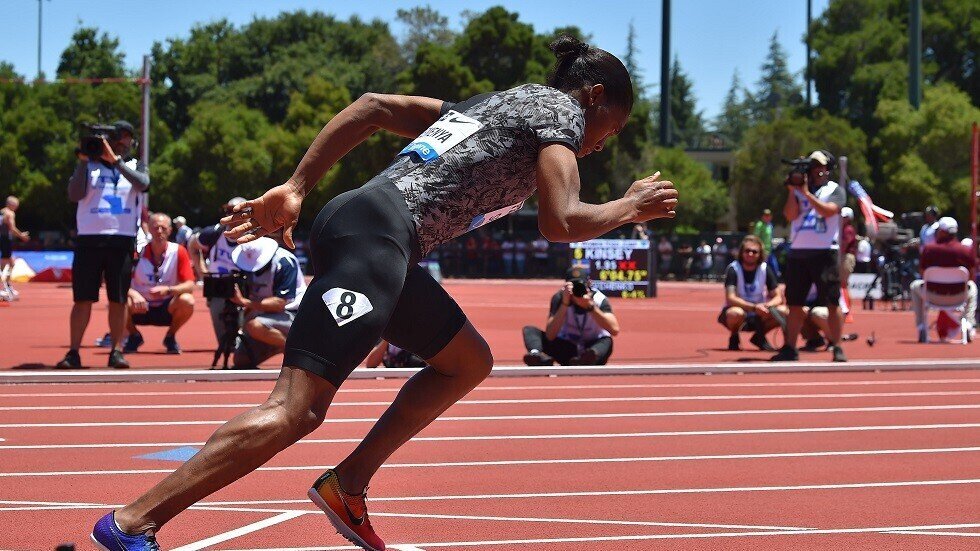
{"type": "Point", "coordinates": [337, 522]}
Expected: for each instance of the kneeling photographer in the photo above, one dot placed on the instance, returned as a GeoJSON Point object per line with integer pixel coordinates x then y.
{"type": "Point", "coordinates": [275, 289]}
{"type": "Point", "coordinates": [813, 205]}
{"type": "Point", "coordinates": [580, 326]}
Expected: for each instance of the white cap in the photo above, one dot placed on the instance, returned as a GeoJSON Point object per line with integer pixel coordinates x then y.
{"type": "Point", "coordinates": [236, 201]}
{"type": "Point", "coordinates": [254, 255]}
{"type": "Point", "coordinates": [180, 220]}
{"type": "Point", "coordinates": [847, 212]}
{"type": "Point", "coordinates": [820, 157]}
{"type": "Point", "coordinates": [947, 224]}
{"type": "Point", "coordinates": [967, 242]}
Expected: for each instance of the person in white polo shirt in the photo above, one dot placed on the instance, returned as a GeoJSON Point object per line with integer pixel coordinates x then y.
{"type": "Point", "coordinates": [110, 191]}
{"type": "Point", "coordinates": [162, 289]}
{"type": "Point", "coordinates": [813, 205]}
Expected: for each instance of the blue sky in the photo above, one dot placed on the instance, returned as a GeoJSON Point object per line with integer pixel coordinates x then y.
{"type": "Point", "coordinates": [712, 38]}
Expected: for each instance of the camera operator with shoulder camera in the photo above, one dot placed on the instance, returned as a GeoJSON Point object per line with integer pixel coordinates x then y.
{"type": "Point", "coordinates": [109, 190]}
{"type": "Point", "coordinates": [813, 205]}
{"type": "Point", "coordinates": [275, 289]}
{"type": "Point", "coordinates": [580, 327]}
{"type": "Point", "coordinates": [210, 253]}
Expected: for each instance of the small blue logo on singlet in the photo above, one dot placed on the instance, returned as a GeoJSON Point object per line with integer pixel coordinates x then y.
{"type": "Point", "coordinates": [425, 151]}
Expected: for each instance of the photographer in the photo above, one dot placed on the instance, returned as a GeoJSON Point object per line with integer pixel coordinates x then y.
{"type": "Point", "coordinates": [813, 205]}
{"type": "Point", "coordinates": [275, 289]}
{"type": "Point", "coordinates": [109, 191]}
{"type": "Point", "coordinates": [580, 327]}
{"type": "Point", "coordinates": [210, 253]}
{"type": "Point", "coordinates": [162, 290]}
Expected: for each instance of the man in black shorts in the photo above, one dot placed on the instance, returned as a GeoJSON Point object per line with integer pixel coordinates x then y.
{"type": "Point", "coordinates": [814, 211]}
{"type": "Point", "coordinates": [109, 192]}
{"type": "Point", "coordinates": [469, 164]}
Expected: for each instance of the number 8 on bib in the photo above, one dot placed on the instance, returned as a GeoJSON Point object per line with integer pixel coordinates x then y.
{"type": "Point", "coordinates": [345, 305]}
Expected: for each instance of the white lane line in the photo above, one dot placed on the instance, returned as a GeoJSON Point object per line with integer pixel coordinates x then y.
{"type": "Point", "coordinates": [485, 388]}
{"type": "Point", "coordinates": [247, 529]}
{"type": "Point", "coordinates": [589, 521]}
{"type": "Point", "coordinates": [520, 401]}
{"type": "Point", "coordinates": [941, 426]}
{"type": "Point", "coordinates": [695, 535]}
{"type": "Point", "coordinates": [557, 461]}
{"type": "Point", "coordinates": [664, 491]}
{"type": "Point", "coordinates": [931, 533]}
{"type": "Point", "coordinates": [707, 413]}
{"type": "Point", "coordinates": [404, 548]}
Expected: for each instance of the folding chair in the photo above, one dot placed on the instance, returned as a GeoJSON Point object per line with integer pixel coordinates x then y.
{"type": "Point", "coordinates": [949, 276]}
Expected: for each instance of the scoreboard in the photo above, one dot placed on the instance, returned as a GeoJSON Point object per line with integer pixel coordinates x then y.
{"type": "Point", "coordinates": [617, 267]}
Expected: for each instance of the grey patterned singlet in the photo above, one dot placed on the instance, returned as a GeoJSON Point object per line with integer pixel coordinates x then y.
{"type": "Point", "coordinates": [492, 170]}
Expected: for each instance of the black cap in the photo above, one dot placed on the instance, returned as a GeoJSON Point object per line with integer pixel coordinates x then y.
{"type": "Point", "coordinates": [125, 125]}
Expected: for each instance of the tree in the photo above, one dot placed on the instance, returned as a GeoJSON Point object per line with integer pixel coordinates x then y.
{"type": "Point", "coordinates": [499, 48]}
{"type": "Point", "coordinates": [777, 89]}
{"type": "Point", "coordinates": [629, 60]}
{"type": "Point", "coordinates": [89, 55]}
{"type": "Point", "coordinates": [704, 200]}
{"type": "Point", "coordinates": [439, 72]}
{"type": "Point", "coordinates": [425, 26]}
{"type": "Point", "coordinates": [925, 152]}
{"type": "Point", "coordinates": [687, 126]}
{"type": "Point", "coordinates": [735, 117]}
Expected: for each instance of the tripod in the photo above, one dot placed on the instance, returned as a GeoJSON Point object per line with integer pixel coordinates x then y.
{"type": "Point", "coordinates": [229, 339]}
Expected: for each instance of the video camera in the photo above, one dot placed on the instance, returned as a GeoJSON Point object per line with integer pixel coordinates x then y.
{"type": "Point", "coordinates": [797, 175]}
{"type": "Point", "coordinates": [223, 285]}
{"type": "Point", "coordinates": [90, 142]}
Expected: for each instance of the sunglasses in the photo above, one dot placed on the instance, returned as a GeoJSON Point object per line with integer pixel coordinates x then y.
{"type": "Point", "coordinates": [752, 251]}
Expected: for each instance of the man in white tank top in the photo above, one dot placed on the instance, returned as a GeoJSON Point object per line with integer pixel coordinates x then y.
{"type": "Point", "coordinates": [8, 232]}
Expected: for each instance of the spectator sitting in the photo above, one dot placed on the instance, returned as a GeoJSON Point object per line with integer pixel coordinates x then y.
{"type": "Point", "coordinates": [161, 291]}
{"type": "Point", "coordinates": [945, 252]}
{"type": "Point", "coordinates": [276, 287]}
{"type": "Point", "coordinates": [580, 327]}
{"type": "Point", "coordinates": [751, 295]}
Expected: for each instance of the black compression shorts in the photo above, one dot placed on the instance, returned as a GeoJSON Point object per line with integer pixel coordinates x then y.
{"type": "Point", "coordinates": [367, 285]}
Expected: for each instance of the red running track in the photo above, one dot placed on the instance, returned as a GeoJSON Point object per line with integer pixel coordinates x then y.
{"type": "Point", "coordinates": [677, 327]}
{"type": "Point", "coordinates": [775, 461]}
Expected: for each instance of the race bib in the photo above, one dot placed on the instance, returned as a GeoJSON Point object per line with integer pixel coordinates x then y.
{"type": "Point", "coordinates": [447, 132]}
{"type": "Point", "coordinates": [484, 219]}
{"type": "Point", "coordinates": [345, 305]}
